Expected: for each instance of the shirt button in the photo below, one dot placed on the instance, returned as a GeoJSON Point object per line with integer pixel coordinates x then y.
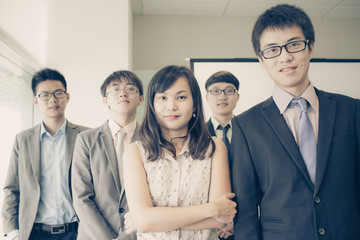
{"type": "Point", "coordinates": [121, 210]}
{"type": "Point", "coordinates": [317, 200]}
{"type": "Point", "coordinates": [321, 231]}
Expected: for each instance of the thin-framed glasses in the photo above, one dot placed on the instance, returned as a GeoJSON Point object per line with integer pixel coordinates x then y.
{"type": "Point", "coordinates": [115, 91]}
{"type": "Point", "coordinates": [46, 96]}
{"type": "Point", "coordinates": [291, 47]}
{"type": "Point", "coordinates": [227, 91]}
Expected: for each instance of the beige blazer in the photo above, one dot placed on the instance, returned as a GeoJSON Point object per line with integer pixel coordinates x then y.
{"type": "Point", "coordinates": [22, 186]}
{"type": "Point", "coordinates": [98, 192]}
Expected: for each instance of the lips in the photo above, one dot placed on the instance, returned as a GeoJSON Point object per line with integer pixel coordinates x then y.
{"type": "Point", "coordinates": [222, 104]}
{"type": "Point", "coordinates": [54, 107]}
{"type": "Point", "coordinates": [287, 69]}
{"type": "Point", "coordinates": [171, 117]}
{"type": "Point", "coordinates": [124, 101]}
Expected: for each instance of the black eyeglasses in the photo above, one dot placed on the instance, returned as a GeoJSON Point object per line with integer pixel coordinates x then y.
{"type": "Point", "coordinates": [115, 91]}
{"type": "Point", "coordinates": [228, 91]}
{"type": "Point", "coordinates": [47, 96]}
{"type": "Point", "coordinates": [291, 47]}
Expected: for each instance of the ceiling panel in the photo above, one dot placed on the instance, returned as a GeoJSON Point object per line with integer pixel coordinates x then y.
{"type": "Point", "coordinates": [315, 8]}
{"type": "Point", "coordinates": [340, 12]}
{"type": "Point", "coordinates": [351, 3]}
{"type": "Point", "coordinates": [184, 9]}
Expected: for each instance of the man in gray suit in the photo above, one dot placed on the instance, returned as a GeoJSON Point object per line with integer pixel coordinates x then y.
{"type": "Point", "coordinates": [37, 203]}
{"type": "Point", "coordinates": [98, 188]}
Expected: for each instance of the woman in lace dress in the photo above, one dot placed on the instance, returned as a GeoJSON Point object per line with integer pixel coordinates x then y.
{"type": "Point", "coordinates": [176, 177]}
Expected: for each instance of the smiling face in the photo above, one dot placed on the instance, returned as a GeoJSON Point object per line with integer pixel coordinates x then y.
{"type": "Point", "coordinates": [174, 108]}
{"type": "Point", "coordinates": [289, 71]}
{"type": "Point", "coordinates": [222, 105]}
{"type": "Point", "coordinates": [53, 108]}
{"type": "Point", "coordinates": [121, 101]}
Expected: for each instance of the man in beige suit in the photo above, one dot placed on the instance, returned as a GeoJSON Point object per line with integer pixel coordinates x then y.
{"type": "Point", "coordinates": [37, 203]}
{"type": "Point", "coordinates": [97, 179]}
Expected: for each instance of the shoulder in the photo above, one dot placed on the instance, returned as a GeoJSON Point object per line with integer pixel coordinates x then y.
{"type": "Point", "coordinates": [28, 132]}
{"type": "Point", "coordinates": [255, 111]}
{"type": "Point", "coordinates": [343, 102]}
{"type": "Point", "coordinates": [77, 127]}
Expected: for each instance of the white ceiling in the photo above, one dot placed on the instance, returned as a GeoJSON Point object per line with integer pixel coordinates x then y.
{"type": "Point", "coordinates": [315, 8]}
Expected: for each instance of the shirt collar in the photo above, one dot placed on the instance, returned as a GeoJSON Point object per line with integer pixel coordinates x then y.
{"type": "Point", "coordinates": [128, 129]}
{"type": "Point", "coordinates": [216, 123]}
{"type": "Point", "coordinates": [44, 132]}
{"type": "Point", "coordinates": [282, 98]}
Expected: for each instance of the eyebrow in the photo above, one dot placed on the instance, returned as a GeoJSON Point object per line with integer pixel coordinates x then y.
{"type": "Point", "coordinates": [177, 93]}
{"type": "Point", "coordinates": [59, 89]}
{"type": "Point", "coordinates": [276, 44]}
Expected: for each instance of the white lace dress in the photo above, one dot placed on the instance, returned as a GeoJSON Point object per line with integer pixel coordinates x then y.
{"type": "Point", "coordinates": [178, 182]}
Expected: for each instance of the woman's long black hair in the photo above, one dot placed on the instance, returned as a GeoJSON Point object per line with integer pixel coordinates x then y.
{"type": "Point", "coordinates": [150, 130]}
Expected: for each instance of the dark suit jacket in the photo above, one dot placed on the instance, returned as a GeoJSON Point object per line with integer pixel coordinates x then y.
{"type": "Point", "coordinates": [22, 186]}
{"type": "Point", "coordinates": [98, 190]}
{"type": "Point", "coordinates": [269, 172]}
{"type": "Point", "coordinates": [211, 128]}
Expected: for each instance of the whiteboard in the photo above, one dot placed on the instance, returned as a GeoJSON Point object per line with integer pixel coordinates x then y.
{"type": "Point", "coordinates": [331, 75]}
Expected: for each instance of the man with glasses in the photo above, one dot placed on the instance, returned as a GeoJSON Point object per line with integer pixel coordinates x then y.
{"type": "Point", "coordinates": [37, 203]}
{"type": "Point", "coordinates": [296, 157]}
{"type": "Point", "coordinates": [97, 174]}
{"type": "Point", "coordinates": [222, 96]}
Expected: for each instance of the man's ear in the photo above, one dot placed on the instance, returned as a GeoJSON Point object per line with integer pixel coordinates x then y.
{"type": "Point", "coordinates": [141, 97]}
{"type": "Point", "coordinates": [35, 100]}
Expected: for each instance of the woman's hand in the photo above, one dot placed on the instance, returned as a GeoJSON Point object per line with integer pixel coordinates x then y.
{"type": "Point", "coordinates": [226, 231]}
{"type": "Point", "coordinates": [129, 224]}
{"type": "Point", "coordinates": [225, 208]}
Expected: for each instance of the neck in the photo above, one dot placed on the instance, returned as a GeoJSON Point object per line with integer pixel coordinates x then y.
{"type": "Point", "coordinates": [122, 119]}
{"type": "Point", "coordinates": [298, 90]}
{"type": "Point", "coordinates": [224, 119]}
{"type": "Point", "coordinates": [52, 125]}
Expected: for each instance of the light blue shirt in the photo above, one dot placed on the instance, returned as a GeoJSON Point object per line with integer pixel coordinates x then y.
{"type": "Point", "coordinates": [55, 206]}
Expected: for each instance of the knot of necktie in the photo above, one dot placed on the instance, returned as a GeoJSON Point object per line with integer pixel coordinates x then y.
{"type": "Point", "coordinates": [303, 103]}
{"type": "Point", "coordinates": [224, 129]}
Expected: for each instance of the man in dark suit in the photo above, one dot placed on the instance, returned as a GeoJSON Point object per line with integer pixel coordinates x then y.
{"type": "Point", "coordinates": [222, 96]}
{"type": "Point", "coordinates": [296, 158]}
{"type": "Point", "coordinates": [37, 195]}
{"type": "Point", "coordinates": [98, 186]}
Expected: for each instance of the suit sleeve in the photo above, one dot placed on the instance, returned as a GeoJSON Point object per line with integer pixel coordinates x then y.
{"type": "Point", "coordinates": [10, 209]}
{"type": "Point", "coordinates": [245, 186]}
{"type": "Point", "coordinates": [90, 217]}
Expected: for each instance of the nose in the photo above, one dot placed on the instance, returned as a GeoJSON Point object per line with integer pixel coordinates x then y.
{"type": "Point", "coordinates": [52, 97]}
{"type": "Point", "coordinates": [123, 93]}
{"type": "Point", "coordinates": [285, 56]}
{"type": "Point", "coordinates": [171, 106]}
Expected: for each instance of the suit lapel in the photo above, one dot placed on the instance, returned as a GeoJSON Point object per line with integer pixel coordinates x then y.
{"type": "Point", "coordinates": [71, 133]}
{"type": "Point", "coordinates": [278, 124]}
{"type": "Point", "coordinates": [134, 138]}
{"type": "Point", "coordinates": [109, 149]}
{"type": "Point", "coordinates": [327, 110]}
{"type": "Point", "coordinates": [34, 148]}
{"type": "Point", "coordinates": [211, 128]}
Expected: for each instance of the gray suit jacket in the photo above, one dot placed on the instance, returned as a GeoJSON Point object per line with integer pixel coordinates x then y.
{"type": "Point", "coordinates": [98, 192]}
{"type": "Point", "coordinates": [22, 189]}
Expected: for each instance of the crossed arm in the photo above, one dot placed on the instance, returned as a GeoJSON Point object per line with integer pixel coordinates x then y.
{"type": "Point", "coordinates": [147, 218]}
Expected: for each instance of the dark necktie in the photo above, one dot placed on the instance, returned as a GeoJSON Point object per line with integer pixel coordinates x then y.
{"type": "Point", "coordinates": [307, 140]}
{"type": "Point", "coordinates": [225, 138]}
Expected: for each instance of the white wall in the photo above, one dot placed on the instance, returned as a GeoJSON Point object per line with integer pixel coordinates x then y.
{"type": "Point", "coordinates": [23, 27]}
{"type": "Point", "coordinates": [164, 40]}
{"type": "Point", "coordinates": [87, 41]}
